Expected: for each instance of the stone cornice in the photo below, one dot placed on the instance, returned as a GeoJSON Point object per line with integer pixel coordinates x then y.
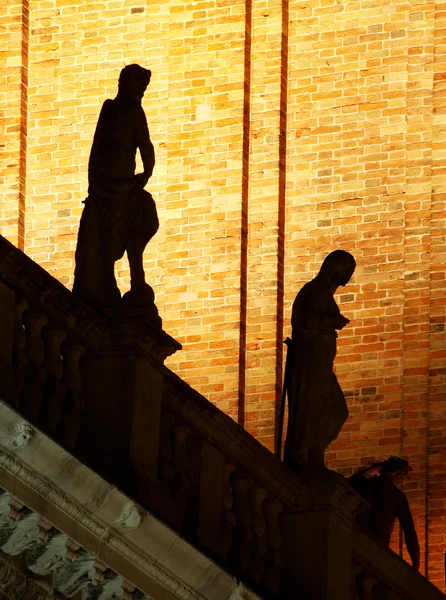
{"type": "Point", "coordinates": [391, 569]}
{"type": "Point", "coordinates": [103, 533]}
{"type": "Point", "coordinates": [107, 520]}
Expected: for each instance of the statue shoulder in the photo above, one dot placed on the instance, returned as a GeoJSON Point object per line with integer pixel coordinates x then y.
{"type": "Point", "coordinates": [107, 105]}
{"type": "Point", "coordinates": [317, 292]}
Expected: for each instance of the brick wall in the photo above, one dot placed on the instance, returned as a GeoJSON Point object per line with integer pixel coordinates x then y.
{"type": "Point", "coordinates": [283, 130]}
{"type": "Point", "coordinates": [13, 113]}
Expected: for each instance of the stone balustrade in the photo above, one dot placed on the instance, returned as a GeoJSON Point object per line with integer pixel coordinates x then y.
{"type": "Point", "coordinates": [98, 386]}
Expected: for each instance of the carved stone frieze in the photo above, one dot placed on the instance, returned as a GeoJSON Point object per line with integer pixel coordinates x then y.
{"type": "Point", "coordinates": [130, 518]}
{"type": "Point", "coordinates": [70, 579]}
{"type": "Point", "coordinates": [9, 510]}
{"type": "Point", "coordinates": [17, 536]}
{"type": "Point", "coordinates": [87, 520]}
{"type": "Point", "coordinates": [111, 587]}
{"type": "Point", "coordinates": [20, 436]}
{"type": "Point", "coordinates": [45, 553]}
{"type": "Point", "coordinates": [16, 584]}
{"type": "Point", "coordinates": [43, 559]}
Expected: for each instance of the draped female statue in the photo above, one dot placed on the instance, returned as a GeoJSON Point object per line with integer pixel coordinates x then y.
{"type": "Point", "coordinates": [317, 407]}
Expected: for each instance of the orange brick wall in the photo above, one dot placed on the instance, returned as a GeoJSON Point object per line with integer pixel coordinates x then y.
{"type": "Point", "coordinates": [283, 130]}
{"type": "Point", "coordinates": [13, 114]}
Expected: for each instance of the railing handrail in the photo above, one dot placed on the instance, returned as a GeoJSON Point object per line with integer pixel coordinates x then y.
{"type": "Point", "coordinates": [80, 320]}
{"type": "Point", "coordinates": [391, 569]}
{"type": "Point", "coordinates": [38, 287]}
{"type": "Point", "coordinates": [238, 445]}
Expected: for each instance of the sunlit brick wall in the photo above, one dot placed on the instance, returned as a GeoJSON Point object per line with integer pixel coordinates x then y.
{"type": "Point", "coordinates": [363, 173]}
{"type": "Point", "coordinates": [204, 137]}
{"type": "Point", "coordinates": [13, 115]}
{"type": "Point", "coordinates": [283, 130]}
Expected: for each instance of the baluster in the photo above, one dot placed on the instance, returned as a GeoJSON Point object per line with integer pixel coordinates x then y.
{"type": "Point", "coordinates": [383, 592]}
{"type": "Point", "coordinates": [240, 552]}
{"type": "Point", "coordinates": [228, 517]}
{"type": "Point", "coordinates": [19, 359]}
{"type": "Point", "coordinates": [273, 561]}
{"type": "Point", "coordinates": [54, 389]}
{"type": "Point", "coordinates": [166, 469]}
{"type": "Point", "coordinates": [257, 496]}
{"type": "Point", "coordinates": [161, 496]}
{"type": "Point", "coordinates": [355, 572]}
{"type": "Point", "coordinates": [181, 461]}
{"type": "Point", "coordinates": [208, 490]}
{"type": "Point", "coordinates": [182, 466]}
{"type": "Point", "coordinates": [35, 376]}
{"type": "Point", "coordinates": [192, 482]}
{"type": "Point", "coordinates": [73, 405]}
{"type": "Point", "coordinates": [366, 584]}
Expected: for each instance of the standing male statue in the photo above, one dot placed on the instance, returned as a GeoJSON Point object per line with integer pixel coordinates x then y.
{"type": "Point", "coordinates": [119, 215]}
{"type": "Point", "coordinates": [317, 407]}
{"type": "Point", "coordinates": [378, 484]}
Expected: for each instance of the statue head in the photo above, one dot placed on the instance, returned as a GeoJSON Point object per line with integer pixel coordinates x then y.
{"type": "Point", "coordinates": [133, 81]}
{"type": "Point", "coordinates": [395, 468]}
{"type": "Point", "coordinates": [338, 267]}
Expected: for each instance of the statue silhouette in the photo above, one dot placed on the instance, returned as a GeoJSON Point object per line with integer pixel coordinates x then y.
{"type": "Point", "coordinates": [378, 485]}
{"type": "Point", "coordinates": [317, 407]}
{"type": "Point", "coordinates": [119, 215]}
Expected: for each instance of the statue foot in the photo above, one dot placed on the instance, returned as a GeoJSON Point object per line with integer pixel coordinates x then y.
{"type": "Point", "coordinates": [139, 295]}
{"type": "Point", "coordinates": [308, 460]}
{"type": "Point", "coordinates": [139, 303]}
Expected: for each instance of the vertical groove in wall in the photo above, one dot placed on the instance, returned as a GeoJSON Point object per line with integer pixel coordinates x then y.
{"type": "Point", "coordinates": [429, 390]}
{"type": "Point", "coordinates": [23, 123]}
{"type": "Point", "coordinates": [281, 210]}
{"type": "Point", "coordinates": [244, 214]}
{"type": "Point", "coordinates": [417, 281]}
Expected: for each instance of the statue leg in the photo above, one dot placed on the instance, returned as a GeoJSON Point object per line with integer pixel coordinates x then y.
{"type": "Point", "coordinates": [316, 457]}
{"type": "Point", "coordinates": [135, 256]}
{"type": "Point", "coordinates": [94, 278]}
{"type": "Point", "coordinates": [146, 225]}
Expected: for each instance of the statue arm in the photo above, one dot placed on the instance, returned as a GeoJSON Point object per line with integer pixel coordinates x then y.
{"type": "Point", "coordinates": [324, 311]}
{"type": "Point", "coordinates": [367, 472]}
{"type": "Point", "coordinates": [145, 145]}
{"type": "Point", "coordinates": [100, 127]}
{"type": "Point", "coordinates": [410, 534]}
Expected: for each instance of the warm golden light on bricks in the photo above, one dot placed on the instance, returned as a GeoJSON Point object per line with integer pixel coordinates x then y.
{"type": "Point", "coordinates": [283, 130]}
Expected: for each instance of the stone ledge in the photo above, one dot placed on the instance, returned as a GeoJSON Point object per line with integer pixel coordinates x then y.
{"type": "Point", "coordinates": [392, 570]}
{"type": "Point", "coordinates": [101, 519]}
{"type": "Point", "coordinates": [81, 321]}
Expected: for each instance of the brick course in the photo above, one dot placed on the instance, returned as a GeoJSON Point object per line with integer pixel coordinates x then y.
{"type": "Point", "coordinates": [283, 130]}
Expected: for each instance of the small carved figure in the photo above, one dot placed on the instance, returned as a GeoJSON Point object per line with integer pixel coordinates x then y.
{"type": "Point", "coordinates": [317, 407]}
{"type": "Point", "coordinates": [378, 485]}
{"type": "Point", "coordinates": [119, 215]}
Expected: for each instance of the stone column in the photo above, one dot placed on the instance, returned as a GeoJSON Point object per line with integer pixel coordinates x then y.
{"type": "Point", "coordinates": [317, 542]}
{"type": "Point", "coordinates": [122, 388]}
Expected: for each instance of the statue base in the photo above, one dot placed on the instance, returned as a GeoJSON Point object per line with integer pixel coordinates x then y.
{"type": "Point", "coordinates": [137, 304]}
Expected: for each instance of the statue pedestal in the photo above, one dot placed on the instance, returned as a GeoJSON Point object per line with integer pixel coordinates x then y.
{"type": "Point", "coordinates": [123, 388]}
{"type": "Point", "coordinates": [135, 306]}
{"type": "Point", "coordinates": [317, 541]}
